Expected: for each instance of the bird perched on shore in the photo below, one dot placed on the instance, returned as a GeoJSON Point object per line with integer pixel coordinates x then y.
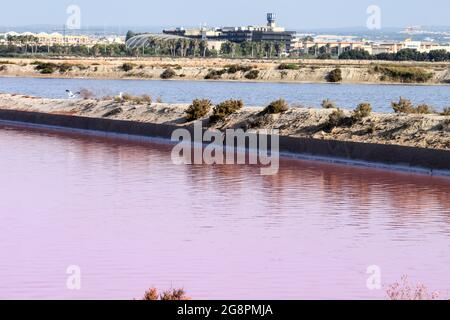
{"type": "Point", "coordinates": [72, 95]}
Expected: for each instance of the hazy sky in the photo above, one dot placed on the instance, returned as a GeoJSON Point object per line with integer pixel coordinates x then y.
{"type": "Point", "coordinates": [291, 13]}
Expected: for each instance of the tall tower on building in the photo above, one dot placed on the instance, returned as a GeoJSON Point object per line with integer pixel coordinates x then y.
{"type": "Point", "coordinates": [271, 20]}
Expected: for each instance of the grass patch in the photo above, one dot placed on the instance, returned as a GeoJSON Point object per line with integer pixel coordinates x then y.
{"type": "Point", "coordinates": [289, 66]}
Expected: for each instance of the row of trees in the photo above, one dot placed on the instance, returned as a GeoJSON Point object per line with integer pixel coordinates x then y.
{"type": "Point", "coordinates": [154, 47]}
{"type": "Point", "coordinates": [402, 55]}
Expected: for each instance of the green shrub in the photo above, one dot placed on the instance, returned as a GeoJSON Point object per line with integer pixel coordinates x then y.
{"type": "Point", "coordinates": [226, 108]}
{"type": "Point", "coordinates": [234, 68]}
{"type": "Point", "coordinates": [277, 106]}
{"type": "Point", "coordinates": [127, 67]}
{"type": "Point", "coordinates": [45, 67]}
{"type": "Point", "coordinates": [446, 111]}
{"type": "Point", "coordinates": [403, 74]}
{"type": "Point", "coordinates": [334, 75]}
{"type": "Point", "coordinates": [424, 109]}
{"type": "Point", "coordinates": [252, 75]}
{"type": "Point", "coordinates": [362, 111]}
{"type": "Point", "coordinates": [403, 106]}
{"type": "Point", "coordinates": [288, 66]}
{"type": "Point", "coordinates": [215, 74]}
{"type": "Point", "coordinates": [198, 109]}
{"type": "Point", "coordinates": [335, 119]}
{"type": "Point", "coordinates": [328, 104]}
{"type": "Point", "coordinates": [169, 73]}
{"type": "Point", "coordinates": [3, 68]}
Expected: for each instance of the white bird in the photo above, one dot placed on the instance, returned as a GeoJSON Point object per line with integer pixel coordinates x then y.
{"type": "Point", "coordinates": [72, 95]}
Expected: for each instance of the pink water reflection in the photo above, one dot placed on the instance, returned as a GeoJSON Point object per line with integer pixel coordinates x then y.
{"type": "Point", "coordinates": [131, 219]}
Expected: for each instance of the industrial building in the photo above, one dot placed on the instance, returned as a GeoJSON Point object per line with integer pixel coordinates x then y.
{"type": "Point", "coordinates": [270, 32]}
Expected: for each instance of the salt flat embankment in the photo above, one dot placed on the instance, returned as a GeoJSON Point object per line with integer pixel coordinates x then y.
{"type": "Point", "coordinates": [410, 140]}
{"type": "Point", "coordinates": [307, 71]}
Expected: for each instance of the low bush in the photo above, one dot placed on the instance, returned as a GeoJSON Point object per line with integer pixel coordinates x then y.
{"type": "Point", "coordinates": [403, 106]}
{"type": "Point", "coordinates": [225, 109]}
{"type": "Point", "coordinates": [198, 109]}
{"type": "Point", "coordinates": [424, 109]}
{"type": "Point", "coordinates": [335, 119]}
{"type": "Point", "coordinates": [446, 111]}
{"type": "Point", "coordinates": [328, 104]}
{"type": "Point", "coordinates": [169, 295]}
{"type": "Point", "coordinates": [127, 67]}
{"type": "Point", "coordinates": [252, 75]}
{"type": "Point", "coordinates": [289, 66]}
{"type": "Point", "coordinates": [215, 74]}
{"type": "Point", "coordinates": [3, 68]}
{"type": "Point", "coordinates": [45, 67]}
{"type": "Point", "coordinates": [406, 106]}
{"type": "Point", "coordinates": [334, 75]}
{"type": "Point", "coordinates": [49, 67]}
{"type": "Point", "coordinates": [169, 73]}
{"type": "Point", "coordinates": [362, 111]}
{"type": "Point", "coordinates": [144, 99]}
{"type": "Point", "coordinates": [277, 106]}
{"type": "Point", "coordinates": [234, 68]}
{"type": "Point", "coordinates": [403, 74]}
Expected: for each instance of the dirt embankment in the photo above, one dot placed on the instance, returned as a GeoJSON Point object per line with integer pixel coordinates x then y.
{"type": "Point", "coordinates": [417, 130]}
{"type": "Point", "coordinates": [219, 69]}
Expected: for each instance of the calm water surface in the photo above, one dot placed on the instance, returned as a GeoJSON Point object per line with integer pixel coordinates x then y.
{"type": "Point", "coordinates": [255, 94]}
{"type": "Point", "coordinates": [131, 219]}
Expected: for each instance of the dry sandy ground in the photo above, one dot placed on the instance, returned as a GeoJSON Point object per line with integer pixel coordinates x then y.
{"type": "Point", "coordinates": [314, 71]}
{"type": "Point", "coordinates": [427, 131]}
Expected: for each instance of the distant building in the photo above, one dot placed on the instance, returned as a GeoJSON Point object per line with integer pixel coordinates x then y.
{"type": "Point", "coordinates": [271, 32]}
{"type": "Point", "coordinates": [51, 39]}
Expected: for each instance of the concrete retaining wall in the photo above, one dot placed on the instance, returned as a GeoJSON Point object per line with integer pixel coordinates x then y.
{"type": "Point", "coordinates": [429, 159]}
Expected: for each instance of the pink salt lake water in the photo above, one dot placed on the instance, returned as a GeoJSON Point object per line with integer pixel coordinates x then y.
{"type": "Point", "coordinates": [131, 219]}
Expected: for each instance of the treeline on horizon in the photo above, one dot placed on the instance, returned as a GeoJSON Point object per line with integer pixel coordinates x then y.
{"type": "Point", "coordinates": [27, 45]}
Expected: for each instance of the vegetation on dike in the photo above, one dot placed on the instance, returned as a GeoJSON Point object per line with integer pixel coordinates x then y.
{"type": "Point", "coordinates": [252, 75]}
{"type": "Point", "coordinates": [143, 99]}
{"type": "Point", "coordinates": [169, 73]}
{"type": "Point", "coordinates": [446, 111]}
{"type": "Point", "coordinates": [170, 295]}
{"type": "Point", "coordinates": [289, 66]}
{"type": "Point", "coordinates": [198, 109]}
{"type": "Point", "coordinates": [363, 110]}
{"type": "Point", "coordinates": [334, 75]}
{"type": "Point", "coordinates": [403, 74]}
{"type": "Point", "coordinates": [277, 106]}
{"type": "Point", "coordinates": [406, 106]}
{"type": "Point", "coordinates": [49, 67]}
{"type": "Point", "coordinates": [225, 109]}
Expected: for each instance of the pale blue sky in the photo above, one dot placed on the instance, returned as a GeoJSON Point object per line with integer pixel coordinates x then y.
{"type": "Point", "coordinates": [291, 13]}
